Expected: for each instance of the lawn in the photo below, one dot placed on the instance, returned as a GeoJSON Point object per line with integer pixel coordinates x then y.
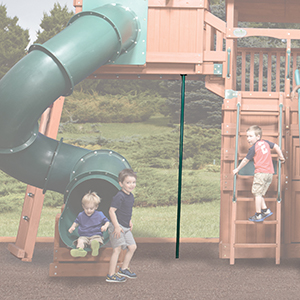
{"type": "Point", "coordinates": [116, 131]}
{"type": "Point", "coordinates": [197, 220]}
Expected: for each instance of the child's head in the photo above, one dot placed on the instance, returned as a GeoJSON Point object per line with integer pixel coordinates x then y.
{"type": "Point", "coordinates": [127, 180]}
{"type": "Point", "coordinates": [254, 133]}
{"type": "Point", "coordinates": [90, 202]}
{"type": "Point", "coordinates": [256, 129]}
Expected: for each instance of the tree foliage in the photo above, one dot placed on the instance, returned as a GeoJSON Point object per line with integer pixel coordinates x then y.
{"type": "Point", "coordinates": [53, 23]}
{"type": "Point", "coordinates": [127, 108]}
{"type": "Point", "coordinates": [13, 41]}
{"type": "Point", "coordinates": [118, 87]}
{"type": "Point", "coordinates": [201, 106]}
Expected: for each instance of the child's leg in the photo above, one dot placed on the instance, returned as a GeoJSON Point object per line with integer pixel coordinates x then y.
{"type": "Point", "coordinates": [80, 243]}
{"type": "Point", "coordinates": [79, 251]}
{"type": "Point", "coordinates": [128, 256]}
{"type": "Point", "coordinates": [259, 203]}
{"type": "Point", "coordinates": [114, 260]}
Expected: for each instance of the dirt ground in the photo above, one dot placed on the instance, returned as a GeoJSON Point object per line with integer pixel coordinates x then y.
{"type": "Point", "coordinates": [197, 274]}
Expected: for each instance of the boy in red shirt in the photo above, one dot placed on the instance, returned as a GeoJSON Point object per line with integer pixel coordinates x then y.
{"type": "Point", "coordinates": [260, 152]}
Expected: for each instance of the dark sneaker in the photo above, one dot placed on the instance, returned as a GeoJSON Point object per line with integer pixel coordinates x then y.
{"type": "Point", "coordinates": [127, 273]}
{"type": "Point", "coordinates": [95, 245]}
{"type": "Point", "coordinates": [115, 278]}
{"type": "Point", "coordinates": [257, 218]}
{"type": "Point", "coordinates": [266, 213]}
{"type": "Point", "coordinates": [78, 252]}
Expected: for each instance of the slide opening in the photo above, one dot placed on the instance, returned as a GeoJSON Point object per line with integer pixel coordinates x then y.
{"type": "Point", "coordinates": [105, 190]}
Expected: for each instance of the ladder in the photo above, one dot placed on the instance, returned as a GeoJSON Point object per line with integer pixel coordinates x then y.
{"type": "Point", "coordinates": [255, 237]}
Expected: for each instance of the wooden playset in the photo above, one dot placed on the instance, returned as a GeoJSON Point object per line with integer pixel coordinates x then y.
{"type": "Point", "coordinates": [184, 37]}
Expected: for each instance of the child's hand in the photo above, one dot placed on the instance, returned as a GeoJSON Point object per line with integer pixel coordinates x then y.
{"type": "Point", "coordinates": [282, 159]}
{"type": "Point", "coordinates": [71, 229]}
{"type": "Point", "coordinates": [130, 225]}
{"type": "Point", "coordinates": [104, 228]}
{"type": "Point", "coordinates": [235, 171]}
{"type": "Point", "coordinates": [117, 232]}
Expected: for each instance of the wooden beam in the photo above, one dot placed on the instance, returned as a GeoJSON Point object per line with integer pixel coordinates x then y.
{"type": "Point", "coordinates": [178, 4]}
{"type": "Point", "coordinates": [270, 32]}
{"type": "Point", "coordinates": [214, 21]}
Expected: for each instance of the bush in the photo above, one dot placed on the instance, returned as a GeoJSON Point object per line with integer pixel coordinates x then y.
{"type": "Point", "coordinates": [53, 199]}
{"type": "Point", "coordinates": [160, 187]}
{"type": "Point", "coordinates": [201, 147]}
{"type": "Point", "coordinates": [12, 194]}
{"type": "Point", "coordinates": [85, 108]}
{"type": "Point", "coordinates": [11, 202]}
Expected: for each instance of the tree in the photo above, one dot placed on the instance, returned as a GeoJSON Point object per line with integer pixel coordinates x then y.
{"type": "Point", "coordinates": [13, 41]}
{"type": "Point", "coordinates": [202, 107]}
{"type": "Point", "coordinates": [54, 23]}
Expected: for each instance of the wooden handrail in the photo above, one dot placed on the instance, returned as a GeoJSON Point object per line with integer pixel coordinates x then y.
{"type": "Point", "coordinates": [236, 146]}
{"type": "Point", "coordinates": [280, 145]}
{"type": "Point", "coordinates": [254, 75]}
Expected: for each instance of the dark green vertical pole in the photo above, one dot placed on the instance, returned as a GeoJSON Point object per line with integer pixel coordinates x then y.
{"type": "Point", "coordinates": [180, 163]}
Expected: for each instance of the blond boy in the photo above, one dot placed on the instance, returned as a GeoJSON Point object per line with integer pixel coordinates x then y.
{"type": "Point", "coordinates": [260, 152]}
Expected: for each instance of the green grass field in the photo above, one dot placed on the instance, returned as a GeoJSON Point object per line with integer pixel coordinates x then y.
{"type": "Point", "coordinates": [112, 131]}
{"type": "Point", "coordinates": [197, 220]}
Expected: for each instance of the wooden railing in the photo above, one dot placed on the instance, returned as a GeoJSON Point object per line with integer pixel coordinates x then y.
{"type": "Point", "coordinates": [266, 70]}
{"type": "Point", "coordinates": [214, 38]}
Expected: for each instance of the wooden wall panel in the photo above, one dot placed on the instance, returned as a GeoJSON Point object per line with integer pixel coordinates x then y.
{"type": "Point", "coordinates": [173, 30]}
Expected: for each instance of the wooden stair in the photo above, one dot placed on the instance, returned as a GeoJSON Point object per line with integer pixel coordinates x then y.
{"type": "Point", "coordinates": [234, 222]}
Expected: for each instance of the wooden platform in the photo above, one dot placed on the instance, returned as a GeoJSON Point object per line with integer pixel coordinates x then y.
{"type": "Point", "coordinates": [64, 265]}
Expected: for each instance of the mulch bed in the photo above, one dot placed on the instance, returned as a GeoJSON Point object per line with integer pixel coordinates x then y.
{"type": "Point", "coordinates": [198, 274]}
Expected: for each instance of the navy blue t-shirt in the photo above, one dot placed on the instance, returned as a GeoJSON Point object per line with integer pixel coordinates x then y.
{"type": "Point", "coordinates": [123, 203]}
{"type": "Point", "coordinates": [89, 226]}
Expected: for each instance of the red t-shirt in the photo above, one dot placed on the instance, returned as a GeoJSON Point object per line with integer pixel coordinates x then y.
{"type": "Point", "coordinates": [260, 152]}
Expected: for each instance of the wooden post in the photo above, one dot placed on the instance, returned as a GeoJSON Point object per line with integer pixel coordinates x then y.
{"type": "Point", "coordinates": [34, 197]}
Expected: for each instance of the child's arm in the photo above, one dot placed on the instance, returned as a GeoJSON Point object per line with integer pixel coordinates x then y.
{"type": "Point", "coordinates": [279, 153]}
{"type": "Point", "coordinates": [104, 227]}
{"type": "Point", "coordinates": [73, 227]}
{"type": "Point", "coordinates": [130, 225]}
{"type": "Point", "coordinates": [241, 165]}
{"type": "Point", "coordinates": [114, 220]}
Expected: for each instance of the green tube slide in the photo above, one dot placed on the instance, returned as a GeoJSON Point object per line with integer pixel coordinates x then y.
{"type": "Point", "coordinates": [92, 38]}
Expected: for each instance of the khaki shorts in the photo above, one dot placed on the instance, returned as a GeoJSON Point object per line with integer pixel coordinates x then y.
{"type": "Point", "coordinates": [87, 240]}
{"type": "Point", "coordinates": [261, 183]}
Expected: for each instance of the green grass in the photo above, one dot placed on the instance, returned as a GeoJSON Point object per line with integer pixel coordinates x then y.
{"type": "Point", "coordinates": [10, 222]}
{"type": "Point", "coordinates": [197, 220]}
{"type": "Point", "coordinates": [112, 131]}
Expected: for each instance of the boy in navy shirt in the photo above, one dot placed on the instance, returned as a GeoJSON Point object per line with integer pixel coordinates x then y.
{"type": "Point", "coordinates": [120, 228]}
{"type": "Point", "coordinates": [260, 152]}
{"type": "Point", "coordinates": [91, 225]}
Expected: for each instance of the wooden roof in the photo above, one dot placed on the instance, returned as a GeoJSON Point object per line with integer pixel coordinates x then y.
{"type": "Point", "coordinates": [278, 11]}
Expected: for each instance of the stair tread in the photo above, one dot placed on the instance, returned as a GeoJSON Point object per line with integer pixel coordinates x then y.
{"type": "Point", "coordinates": [255, 245]}
{"type": "Point", "coordinates": [255, 113]}
{"type": "Point", "coordinates": [242, 222]}
{"type": "Point", "coordinates": [252, 199]}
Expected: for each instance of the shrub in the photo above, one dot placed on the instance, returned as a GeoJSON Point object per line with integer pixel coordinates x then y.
{"type": "Point", "coordinates": [160, 187]}
{"type": "Point", "coordinates": [201, 147]}
{"type": "Point", "coordinates": [110, 108]}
